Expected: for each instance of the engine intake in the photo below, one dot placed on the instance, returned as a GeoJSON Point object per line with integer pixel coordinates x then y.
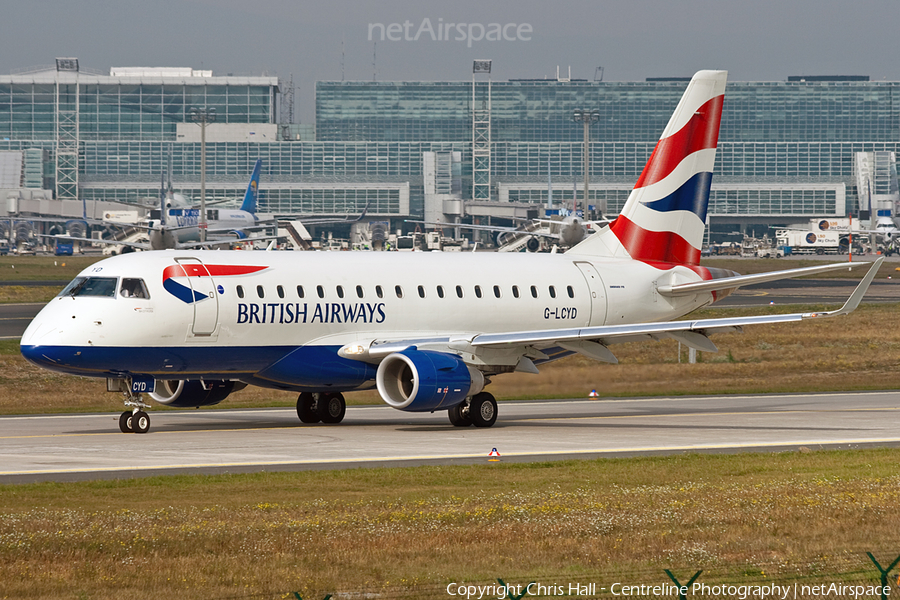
{"type": "Point", "coordinates": [423, 380]}
{"type": "Point", "coordinates": [192, 393]}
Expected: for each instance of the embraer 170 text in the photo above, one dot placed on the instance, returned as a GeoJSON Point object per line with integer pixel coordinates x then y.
{"type": "Point", "coordinates": [429, 330]}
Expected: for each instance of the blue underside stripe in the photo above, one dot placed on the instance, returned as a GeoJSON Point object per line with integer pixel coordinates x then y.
{"type": "Point", "coordinates": [285, 367]}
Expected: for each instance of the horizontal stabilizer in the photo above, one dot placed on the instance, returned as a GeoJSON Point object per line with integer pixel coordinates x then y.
{"type": "Point", "coordinates": [729, 283]}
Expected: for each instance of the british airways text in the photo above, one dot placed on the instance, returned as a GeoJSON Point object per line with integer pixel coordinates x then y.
{"type": "Point", "coordinates": [322, 312]}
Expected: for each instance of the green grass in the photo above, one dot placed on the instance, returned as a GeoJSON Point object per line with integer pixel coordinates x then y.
{"type": "Point", "coordinates": [746, 518]}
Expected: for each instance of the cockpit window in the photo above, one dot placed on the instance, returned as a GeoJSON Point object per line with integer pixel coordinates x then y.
{"type": "Point", "coordinates": [91, 286]}
{"type": "Point", "coordinates": [134, 288]}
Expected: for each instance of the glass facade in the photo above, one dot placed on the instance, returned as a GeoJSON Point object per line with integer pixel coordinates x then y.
{"type": "Point", "coordinates": [785, 148]}
{"type": "Point", "coordinates": [112, 108]}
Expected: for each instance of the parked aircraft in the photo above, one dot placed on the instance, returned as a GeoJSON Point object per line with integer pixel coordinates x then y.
{"type": "Point", "coordinates": [567, 232]}
{"type": "Point", "coordinates": [428, 330]}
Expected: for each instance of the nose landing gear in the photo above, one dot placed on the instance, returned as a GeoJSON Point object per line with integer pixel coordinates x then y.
{"type": "Point", "coordinates": [135, 420]}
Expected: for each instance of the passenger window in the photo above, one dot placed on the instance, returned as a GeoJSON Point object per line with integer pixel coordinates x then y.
{"type": "Point", "coordinates": [280, 291]}
{"type": "Point", "coordinates": [478, 291]}
{"type": "Point", "coordinates": [240, 291]}
{"type": "Point", "coordinates": [570, 291]}
{"type": "Point", "coordinates": [552, 292]}
{"type": "Point", "coordinates": [398, 290]}
{"type": "Point", "coordinates": [260, 291]}
{"type": "Point", "coordinates": [534, 293]}
{"type": "Point", "coordinates": [440, 291]}
{"type": "Point", "coordinates": [340, 291]}
{"type": "Point", "coordinates": [134, 288]}
{"type": "Point", "coordinates": [359, 291]}
{"type": "Point", "coordinates": [459, 291]}
{"type": "Point", "coordinates": [421, 292]}
{"type": "Point", "coordinates": [379, 292]}
{"type": "Point", "coordinates": [496, 291]}
{"type": "Point", "coordinates": [320, 291]}
{"type": "Point", "coordinates": [300, 293]}
{"type": "Point", "coordinates": [515, 291]}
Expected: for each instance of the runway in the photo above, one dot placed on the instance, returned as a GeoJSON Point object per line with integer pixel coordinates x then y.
{"type": "Point", "coordinates": [81, 447]}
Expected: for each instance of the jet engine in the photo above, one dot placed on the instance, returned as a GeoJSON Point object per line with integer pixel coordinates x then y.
{"type": "Point", "coordinates": [423, 380]}
{"type": "Point", "coordinates": [192, 393]}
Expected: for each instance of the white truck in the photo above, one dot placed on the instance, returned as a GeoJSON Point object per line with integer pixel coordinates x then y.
{"type": "Point", "coordinates": [808, 242]}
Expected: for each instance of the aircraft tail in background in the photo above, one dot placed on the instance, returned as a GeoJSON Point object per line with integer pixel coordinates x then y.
{"type": "Point", "coordinates": [252, 194]}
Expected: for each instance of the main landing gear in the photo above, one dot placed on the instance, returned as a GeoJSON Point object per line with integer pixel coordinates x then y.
{"type": "Point", "coordinates": [326, 407]}
{"type": "Point", "coordinates": [480, 410]}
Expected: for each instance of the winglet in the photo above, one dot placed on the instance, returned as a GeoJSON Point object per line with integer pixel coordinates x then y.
{"type": "Point", "coordinates": [857, 295]}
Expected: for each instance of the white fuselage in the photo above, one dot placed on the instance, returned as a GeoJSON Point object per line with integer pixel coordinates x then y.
{"type": "Point", "coordinates": [236, 325]}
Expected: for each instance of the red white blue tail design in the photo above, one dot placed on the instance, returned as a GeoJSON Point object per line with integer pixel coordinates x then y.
{"type": "Point", "coordinates": [665, 215]}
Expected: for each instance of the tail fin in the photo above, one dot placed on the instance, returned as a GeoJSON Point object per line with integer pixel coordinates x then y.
{"type": "Point", "coordinates": [252, 193]}
{"type": "Point", "coordinates": [665, 215]}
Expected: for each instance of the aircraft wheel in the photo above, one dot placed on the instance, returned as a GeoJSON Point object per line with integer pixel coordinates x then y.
{"type": "Point", "coordinates": [306, 408]}
{"type": "Point", "coordinates": [483, 410]}
{"type": "Point", "coordinates": [125, 422]}
{"type": "Point", "coordinates": [459, 415]}
{"type": "Point", "coordinates": [331, 408]}
{"type": "Point", "coordinates": [140, 421]}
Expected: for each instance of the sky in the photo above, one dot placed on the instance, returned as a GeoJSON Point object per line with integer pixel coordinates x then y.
{"type": "Point", "coordinates": [755, 40]}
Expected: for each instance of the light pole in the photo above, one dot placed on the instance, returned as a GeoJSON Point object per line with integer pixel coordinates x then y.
{"type": "Point", "coordinates": [588, 116]}
{"type": "Point", "coordinates": [202, 116]}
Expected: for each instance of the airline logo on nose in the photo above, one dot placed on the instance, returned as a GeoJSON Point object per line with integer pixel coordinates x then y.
{"type": "Point", "coordinates": [176, 279]}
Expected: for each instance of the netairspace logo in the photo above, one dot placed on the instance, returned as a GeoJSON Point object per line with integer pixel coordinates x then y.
{"type": "Point", "coordinates": [450, 32]}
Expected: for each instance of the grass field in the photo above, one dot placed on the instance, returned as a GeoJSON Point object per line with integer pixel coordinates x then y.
{"type": "Point", "coordinates": [748, 518]}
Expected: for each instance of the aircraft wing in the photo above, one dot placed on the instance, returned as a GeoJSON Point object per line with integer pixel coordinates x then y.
{"type": "Point", "coordinates": [495, 228]}
{"type": "Point", "coordinates": [729, 283]}
{"type": "Point", "coordinates": [523, 346]}
{"type": "Point", "coordinates": [139, 245]}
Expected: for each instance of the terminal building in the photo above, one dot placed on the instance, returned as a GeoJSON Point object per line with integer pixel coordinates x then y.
{"type": "Point", "coordinates": [788, 151]}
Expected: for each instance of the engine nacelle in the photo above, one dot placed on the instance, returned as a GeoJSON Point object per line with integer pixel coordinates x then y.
{"type": "Point", "coordinates": [424, 380]}
{"type": "Point", "coordinates": [192, 393]}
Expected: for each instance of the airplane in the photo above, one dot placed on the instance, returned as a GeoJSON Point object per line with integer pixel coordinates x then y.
{"type": "Point", "coordinates": [429, 331]}
{"type": "Point", "coordinates": [568, 231]}
{"type": "Point", "coordinates": [174, 227]}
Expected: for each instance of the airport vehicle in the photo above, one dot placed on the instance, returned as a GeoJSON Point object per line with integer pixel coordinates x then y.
{"type": "Point", "coordinates": [428, 330]}
{"type": "Point", "coordinates": [807, 242]}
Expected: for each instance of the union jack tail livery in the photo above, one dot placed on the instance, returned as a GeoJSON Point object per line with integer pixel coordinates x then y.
{"type": "Point", "coordinates": [665, 215]}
